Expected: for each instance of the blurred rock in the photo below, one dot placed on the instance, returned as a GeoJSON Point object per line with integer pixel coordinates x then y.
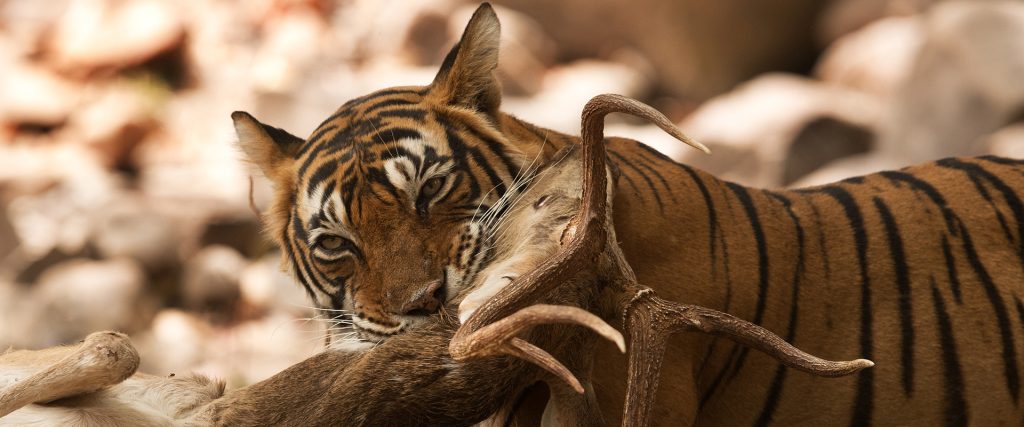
{"type": "Point", "coordinates": [965, 83]}
{"type": "Point", "coordinates": [95, 35]}
{"type": "Point", "coordinates": [698, 48]}
{"type": "Point", "coordinates": [286, 55]}
{"type": "Point", "coordinates": [857, 165]}
{"type": "Point", "coordinates": [266, 288]}
{"type": "Point", "coordinates": [32, 97]}
{"type": "Point", "coordinates": [16, 319]}
{"type": "Point", "coordinates": [822, 140]}
{"type": "Point", "coordinates": [428, 38]}
{"type": "Point", "coordinates": [567, 88]}
{"type": "Point", "coordinates": [255, 350]}
{"type": "Point", "coordinates": [129, 228]}
{"type": "Point", "coordinates": [53, 213]}
{"type": "Point", "coordinates": [243, 233]}
{"type": "Point", "coordinates": [1006, 142]}
{"type": "Point", "coordinates": [841, 17]}
{"type": "Point", "coordinates": [114, 124]}
{"type": "Point", "coordinates": [27, 22]}
{"type": "Point", "coordinates": [211, 281]}
{"type": "Point", "coordinates": [180, 342]}
{"type": "Point", "coordinates": [776, 128]}
{"type": "Point", "coordinates": [176, 342]}
{"type": "Point", "coordinates": [35, 165]}
{"type": "Point", "coordinates": [193, 157]}
{"type": "Point", "coordinates": [28, 269]}
{"type": "Point", "coordinates": [82, 296]}
{"type": "Point", "coordinates": [8, 238]}
{"type": "Point", "coordinates": [876, 59]}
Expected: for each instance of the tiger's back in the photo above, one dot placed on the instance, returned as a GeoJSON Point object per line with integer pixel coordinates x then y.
{"type": "Point", "coordinates": [919, 270]}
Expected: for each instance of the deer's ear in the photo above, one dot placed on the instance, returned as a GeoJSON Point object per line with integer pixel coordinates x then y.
{"type": "Point", "coordinates": [467, 77]}
{"type": "Point", "coordinates": [272, 149]}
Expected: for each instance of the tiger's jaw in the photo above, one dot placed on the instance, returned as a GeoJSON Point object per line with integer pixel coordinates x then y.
{"type": "Point", "coordinates": [471, 253]}
{"type": "Point", "coordinates": [374, 329]}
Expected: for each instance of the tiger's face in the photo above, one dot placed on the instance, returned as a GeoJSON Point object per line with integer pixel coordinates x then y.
{"type": "Point", "coordinates": [391, 208]}
{"type": "Point", "coordinates": [388, 207]}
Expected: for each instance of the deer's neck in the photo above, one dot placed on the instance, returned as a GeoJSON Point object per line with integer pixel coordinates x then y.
{"type": "Point", "coordinates": [690, 236]}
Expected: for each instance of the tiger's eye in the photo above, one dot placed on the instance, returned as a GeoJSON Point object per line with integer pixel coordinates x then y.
{"type": "Point", "coordinates": [331, 243]}
{"type": "Point", "coordinates": [431, 187]}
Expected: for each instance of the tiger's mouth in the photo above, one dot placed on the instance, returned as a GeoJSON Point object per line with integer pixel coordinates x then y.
{"type": "Point", "coordinates": [373, 330]}
{"type": "Point", "coordinates": [457, 280]}
{"type": "Point", "coordinates": [370, 336]}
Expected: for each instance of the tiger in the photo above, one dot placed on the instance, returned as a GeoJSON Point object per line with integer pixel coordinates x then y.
{"type": "Point", "coordinates": [388, 211]}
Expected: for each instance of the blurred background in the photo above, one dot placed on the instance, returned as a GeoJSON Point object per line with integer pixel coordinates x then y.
{"type": "Point", "coordinates": [124, 204]}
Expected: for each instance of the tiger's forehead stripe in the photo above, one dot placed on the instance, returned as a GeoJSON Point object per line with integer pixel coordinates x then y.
{"type": "Point", "coordinates": [316, 138]}
{"type": "Point", "coordinates": [480, 160]}
{"type": "Point", "coordinates": [360, 109]}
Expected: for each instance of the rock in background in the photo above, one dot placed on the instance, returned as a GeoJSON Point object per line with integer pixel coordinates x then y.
{"type": "Point", "coordinates": [124, 204]}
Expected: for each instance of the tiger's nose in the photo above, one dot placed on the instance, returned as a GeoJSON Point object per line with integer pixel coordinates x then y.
{"type": "Point", "coordinates": [425, 300]}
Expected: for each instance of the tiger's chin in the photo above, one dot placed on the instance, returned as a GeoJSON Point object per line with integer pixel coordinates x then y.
{"type": "Point", "coordinates": [355, 339]}
{"type": "Point", "coordinates": [372, 337]}
{"type": "Point", "coordinates": [360, 334]}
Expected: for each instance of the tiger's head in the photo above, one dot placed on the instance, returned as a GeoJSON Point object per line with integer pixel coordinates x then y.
{"type": "Point", "coordinates": [387, 209]}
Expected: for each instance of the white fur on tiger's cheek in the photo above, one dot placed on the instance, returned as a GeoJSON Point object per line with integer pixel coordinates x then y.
{"type": "Point", "coordinates": [456, 278]}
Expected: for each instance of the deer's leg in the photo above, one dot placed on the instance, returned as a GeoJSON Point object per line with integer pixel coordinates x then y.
{"type": "Point", "coordinates": [102, 360]}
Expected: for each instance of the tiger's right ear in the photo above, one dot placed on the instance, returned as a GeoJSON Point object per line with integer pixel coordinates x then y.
{"type": "Point", "coordinates": [272, 149]}
{"type": "Point", "coordinates": [466, 77]}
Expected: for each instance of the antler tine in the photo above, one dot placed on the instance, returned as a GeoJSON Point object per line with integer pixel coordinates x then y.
{"type": "Point", "coordinates": [651, 320]}
{"type": "Point", "coordinates": [612, 103]}
{"type": "Point", "coordinates": [500, 337]}
{"type": "Point", "coordinates": [677, 317]}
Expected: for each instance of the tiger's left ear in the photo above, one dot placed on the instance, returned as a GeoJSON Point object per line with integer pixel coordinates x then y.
{"type": "Point", "coordinates": [467, 77]}
{"type": "Point", "coordinates": [272, 149]}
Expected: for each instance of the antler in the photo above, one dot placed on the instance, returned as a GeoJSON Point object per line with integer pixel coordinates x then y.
{"type": "Point", "coordinates": [500, 337]}
{"type": "Point", "coordinates": [648, 319]}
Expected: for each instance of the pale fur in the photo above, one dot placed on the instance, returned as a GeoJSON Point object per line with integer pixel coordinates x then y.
{"type": "Point", "coordinates": [94, 384]}
{"type": "Point", "coordinates": [528, 234]}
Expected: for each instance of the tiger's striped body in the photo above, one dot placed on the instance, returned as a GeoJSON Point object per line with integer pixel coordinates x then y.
{"type": "Point", "coordinates": [920, 270]}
